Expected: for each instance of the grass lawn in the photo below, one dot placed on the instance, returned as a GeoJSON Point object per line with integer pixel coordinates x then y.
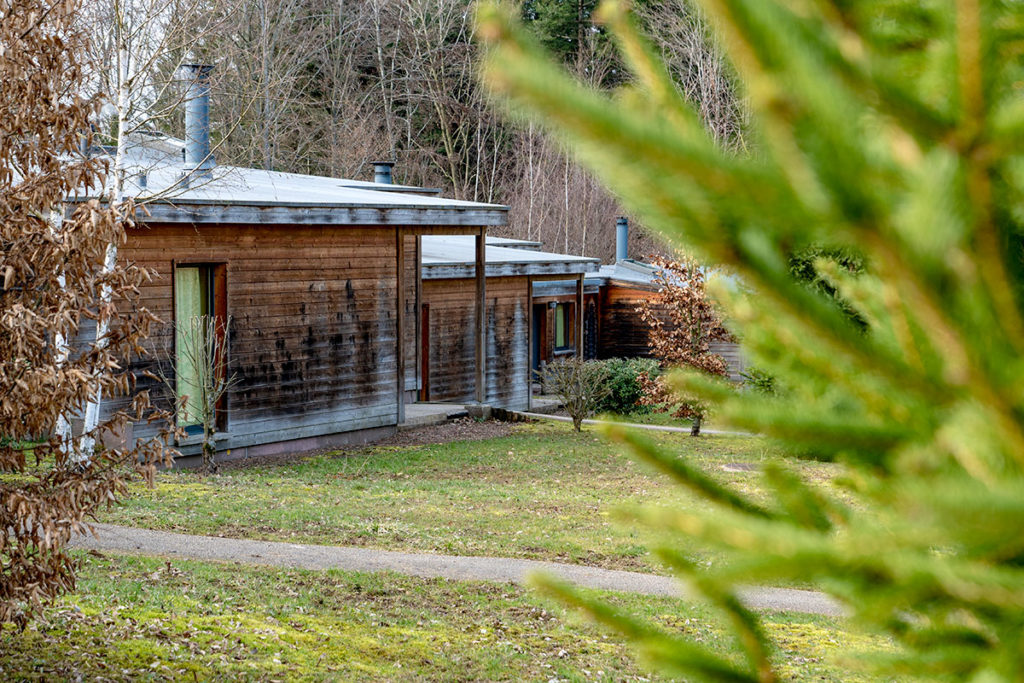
{"type": "Point", "coordinates": [664, 419]}
{"type": "Point", "coordinates": [138, 618]}
{"type": "Point", "coordinates": [541, 492]}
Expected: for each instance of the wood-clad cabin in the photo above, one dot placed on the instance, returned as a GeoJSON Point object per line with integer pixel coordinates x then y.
{"type": "Point", "coordinates": [448, 316]}
{"type": "Point", "coordinates": [318, 277]}
{"type": "Point", "coordinates": [624, 286]}
{"type": "Point", "coordinates": [612, 327]}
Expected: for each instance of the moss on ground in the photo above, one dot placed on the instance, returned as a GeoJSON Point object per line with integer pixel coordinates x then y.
{"type": "Point", "coordinates": [140, 618]}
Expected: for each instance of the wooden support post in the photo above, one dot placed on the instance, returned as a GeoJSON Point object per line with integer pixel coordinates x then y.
{"type": "Point", "coordinates": [419, 313]}
{"type": "Point", "coordinates": [481, 316]}
{"type": "Point", "coordinates": [579, 317]}
{"type": "Point", "coordinates": [400, 321]}
{"type": "Point", "coordinates": [529, 343]}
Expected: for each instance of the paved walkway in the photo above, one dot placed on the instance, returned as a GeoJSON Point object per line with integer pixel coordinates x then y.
{"type": "Point", "coordinates": [633, 425]}
{"type": "Point", "coordinates": [279, 554]}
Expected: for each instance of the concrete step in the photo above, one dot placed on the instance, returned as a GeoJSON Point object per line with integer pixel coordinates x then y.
{"type": "Point", "coordinates": [545, 405]}
{"type": "Point", "coordinates": [429, 414]}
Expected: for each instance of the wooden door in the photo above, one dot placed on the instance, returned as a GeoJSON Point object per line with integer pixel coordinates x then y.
{"type": "Point", "coordinates": [425, 352]}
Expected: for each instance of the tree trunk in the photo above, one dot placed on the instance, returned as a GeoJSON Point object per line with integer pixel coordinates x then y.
{"type": "Point", "coordinates": [87, 443]}
{"type": "Point", "coordinates": [209, 451]}
{"type": "Point", "coordinates": [61, 345]}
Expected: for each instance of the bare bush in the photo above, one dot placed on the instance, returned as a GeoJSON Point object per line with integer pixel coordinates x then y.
{"type": "Point", "coordinates": [196, 375]}
{"type": "Point", "coordinates": [53, 279]}
{"type": "Point", "coordinates": [581, 386]}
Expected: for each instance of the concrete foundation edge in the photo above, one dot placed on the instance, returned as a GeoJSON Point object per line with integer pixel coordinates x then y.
{"type": "Point", "coordinates": [296, 446]}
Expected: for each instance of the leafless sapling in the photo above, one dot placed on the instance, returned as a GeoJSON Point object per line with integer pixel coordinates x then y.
{"type": "Point", "coordinates": [579, 384]}
{"type": "Point", "coordinates": [194, 369]}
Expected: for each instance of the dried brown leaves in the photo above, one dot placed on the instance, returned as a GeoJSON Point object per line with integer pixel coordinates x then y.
{"type": "Point", "coordinates": [52, 276]}
{"type": "Point", "coordinates": [683, 323]}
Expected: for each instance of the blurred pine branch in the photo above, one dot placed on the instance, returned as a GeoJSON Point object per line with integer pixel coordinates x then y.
{"type": "Point", "coordinates": [891, 130]}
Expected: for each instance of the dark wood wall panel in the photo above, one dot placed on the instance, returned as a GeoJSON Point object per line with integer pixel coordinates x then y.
{"type": "Point", "coordinates": [313, 327]}
{"type": "Point", "coordinates": [452, 354]}
{"type": "Point", "coordinates": [622, 333]}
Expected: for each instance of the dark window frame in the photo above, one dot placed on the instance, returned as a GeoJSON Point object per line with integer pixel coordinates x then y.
{"type": "Point", "coordinates": [565, 311]}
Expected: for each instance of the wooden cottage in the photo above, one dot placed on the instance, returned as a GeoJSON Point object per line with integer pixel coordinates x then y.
{"type": "Point", "coordinates": [318, 277]}
{"type": "Point", "coordinates": [448, 315]}
{"type": "Point", "coordinates": [343, 300]}
{"type": "Point", "coordinates": [611, 325]}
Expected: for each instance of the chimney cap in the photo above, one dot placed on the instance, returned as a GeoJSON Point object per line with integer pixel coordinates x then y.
{"type": "Point", "coordinates": [382, 172]}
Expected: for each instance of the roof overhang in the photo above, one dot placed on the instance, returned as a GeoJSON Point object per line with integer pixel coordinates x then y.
{"type": "Point", "coordinates": [453, 271]}
{"type": "Point", "coordinates": [270, 213]}
{"type": "Point", "coordinates": [562, 288]}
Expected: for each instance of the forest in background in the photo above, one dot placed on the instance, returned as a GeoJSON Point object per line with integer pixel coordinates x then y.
{"type": "Point", "coordinates": [326, 87]}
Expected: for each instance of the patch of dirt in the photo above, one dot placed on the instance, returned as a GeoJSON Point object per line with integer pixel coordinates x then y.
{"type": "Point", "coordinates": [461, 429]}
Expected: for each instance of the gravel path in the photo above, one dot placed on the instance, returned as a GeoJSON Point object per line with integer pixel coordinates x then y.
{"type": "Point", "coordinates": [282, 554]}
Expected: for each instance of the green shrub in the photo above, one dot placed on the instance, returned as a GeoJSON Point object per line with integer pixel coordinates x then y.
{"type": "Point", "coordinates": [760, 381]}
{"type": "Point", "coordinates": [624, 384]}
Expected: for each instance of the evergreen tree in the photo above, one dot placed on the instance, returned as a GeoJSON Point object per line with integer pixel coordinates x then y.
{"type": "Point", "coordinates": [560, 25]}
{"type": "Point", "coordinates": [892, 129]}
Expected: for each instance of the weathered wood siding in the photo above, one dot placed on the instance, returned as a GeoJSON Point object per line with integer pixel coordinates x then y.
{"type": "Point", "coordinates": [452, 334]}
{"type": "Point", "coordinates": [313, 327]}
{"type": "Point", "coordinates": [409, 346]}
{"type": "Point", "coordinates": [623, 334]}
{"type": "Point", "coordinates": [734, 358]}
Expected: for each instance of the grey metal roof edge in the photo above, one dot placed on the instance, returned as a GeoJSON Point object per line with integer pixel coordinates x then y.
{"type": "Point", "coordinates": [633, 284]}
{"type": "Point", "coordinates": [562, 287]}
{"type": "Point", "coordinates": [440, 271]}
{"type": "Point", "coordinates": [317, 214]}
{"type": "Point", "coordinates": [199, 201]}
{"type": "Point", "coordinates": [566, 259]}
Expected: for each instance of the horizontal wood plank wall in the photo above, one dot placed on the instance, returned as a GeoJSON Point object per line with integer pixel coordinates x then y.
{"type": "Point", "coordinates": [622, 333]}
{"type": "Point", "coordinates": [734, 358]}
{"type": "Point", "coordinates": [312, 337]}
{"type": "Point", "coordinates": [452, 334]}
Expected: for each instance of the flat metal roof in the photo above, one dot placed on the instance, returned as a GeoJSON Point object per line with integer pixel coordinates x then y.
{"type": "Point", "coordinates": [454, 256]}
{"type": "Point", "coordinates": [235, 194]}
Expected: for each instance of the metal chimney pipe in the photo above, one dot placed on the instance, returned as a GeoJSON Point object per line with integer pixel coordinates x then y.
{"type": "Point", "coordinates": [382, 172]}
{"type": "Point", "coordinates": [198, 159]}
{"type": "Point", "coordinates": [621, 238]}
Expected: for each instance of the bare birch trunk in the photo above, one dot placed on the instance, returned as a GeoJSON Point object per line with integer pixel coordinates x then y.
{"type": "Point", "coordinates": [63, 349]}
{"type": "Point", "coordinates": [86, 445]}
